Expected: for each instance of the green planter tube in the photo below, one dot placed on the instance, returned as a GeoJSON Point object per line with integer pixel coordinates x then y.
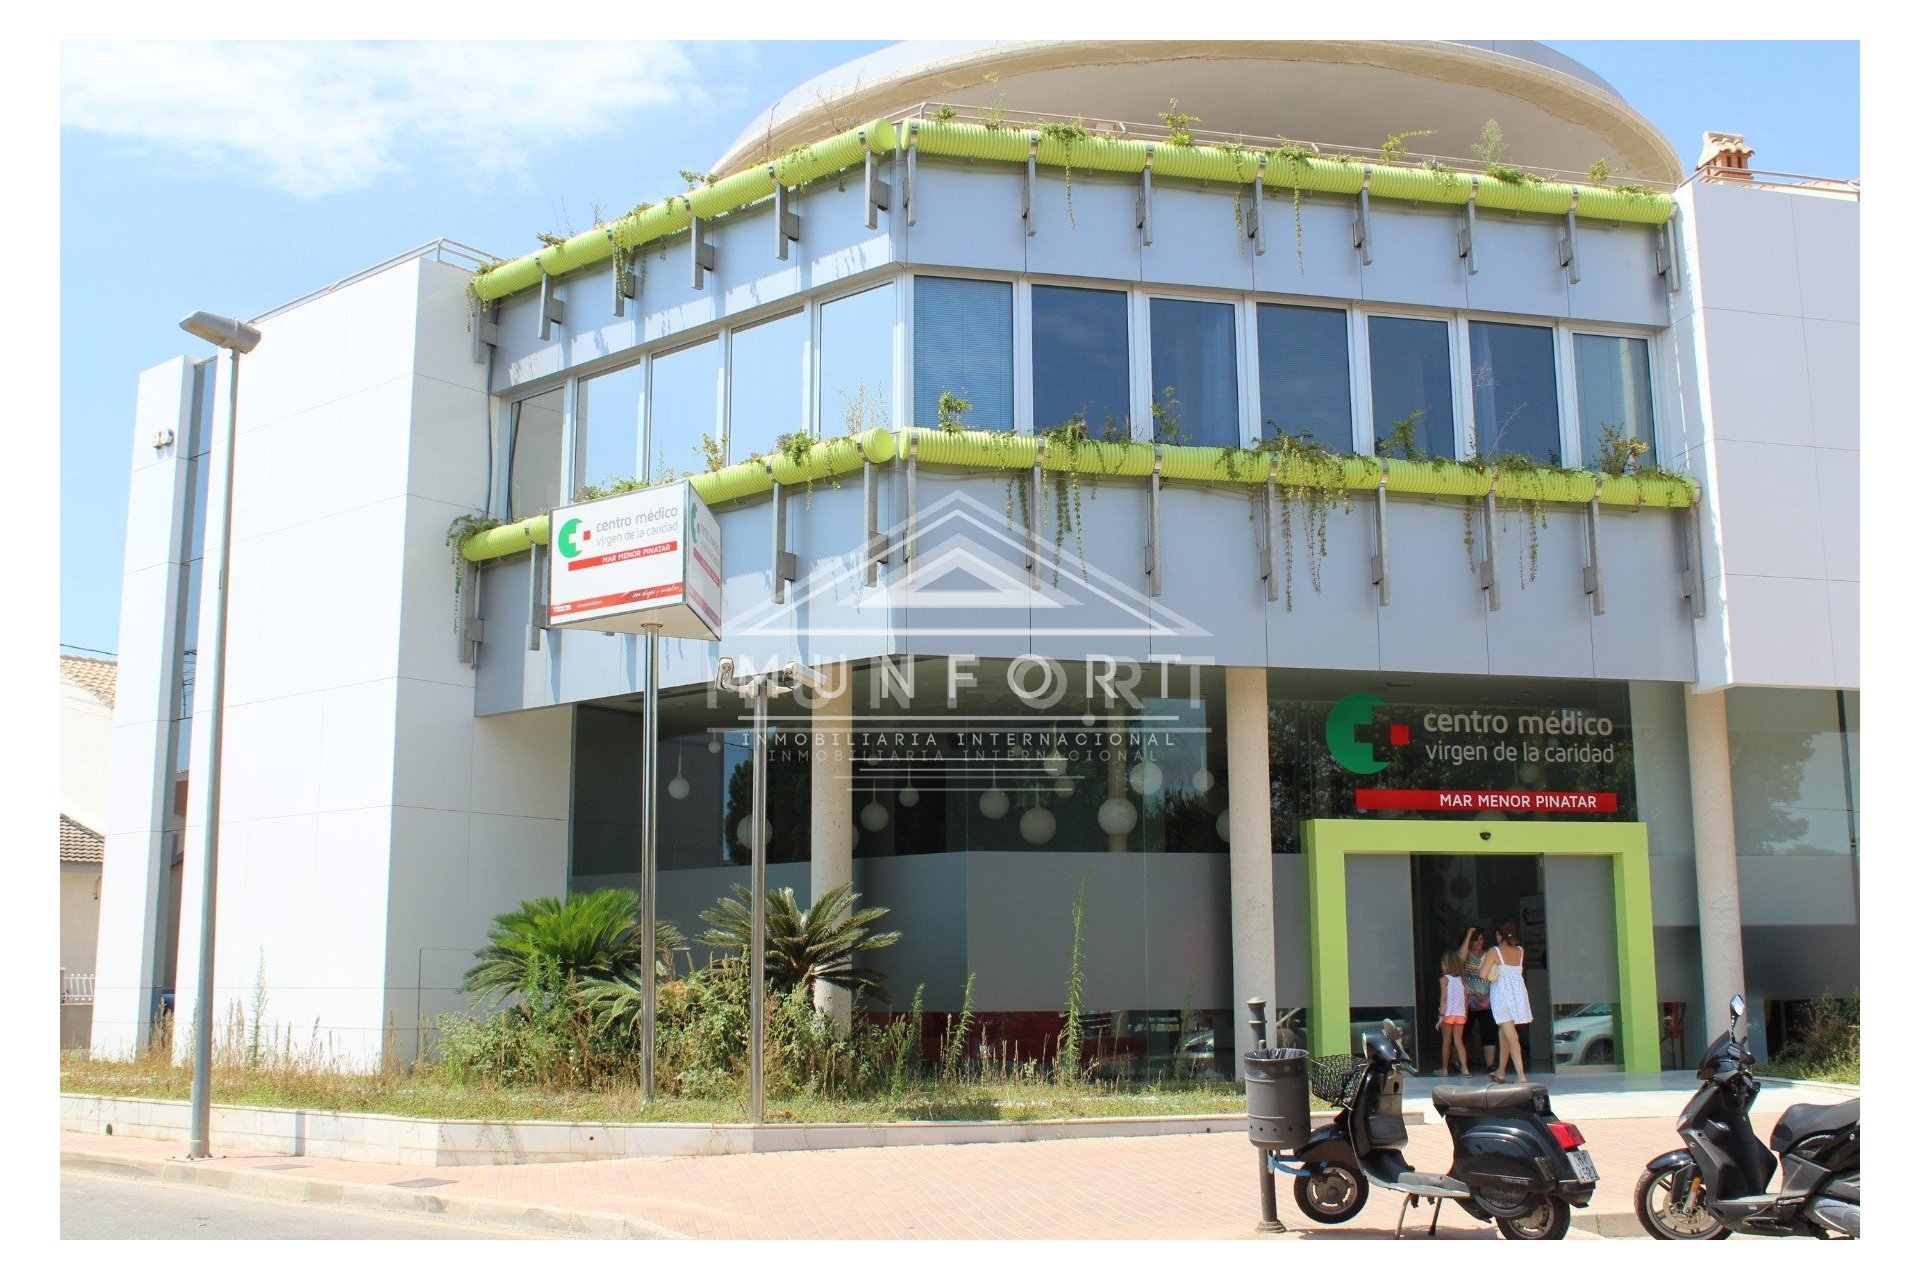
{"type": "Point", "coordinates": [507, 540]}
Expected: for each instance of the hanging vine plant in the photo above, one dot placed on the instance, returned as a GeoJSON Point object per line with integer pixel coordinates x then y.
{"type": "Point", "coordinates": [1296, 155]}
{"type": "Point", "coordinates": [1072, 440]}
{"type": "Point", "coordinates": [463, 527]}
{"type": "Point", "coordinates": [1520, 483]}
{"type": "Point", "coordinates": [1066, 135]}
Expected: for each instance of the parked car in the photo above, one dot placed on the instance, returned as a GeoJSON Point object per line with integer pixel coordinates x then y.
{"type": "Point", "coordinates": [1584, 1037]}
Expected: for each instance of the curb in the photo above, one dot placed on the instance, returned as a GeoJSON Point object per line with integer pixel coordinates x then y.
{"type": "Point", "coordinates": [498, 1214]}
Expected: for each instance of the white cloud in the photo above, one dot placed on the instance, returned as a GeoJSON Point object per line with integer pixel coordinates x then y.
{"type": "Point", "coordinates": [317, 118]}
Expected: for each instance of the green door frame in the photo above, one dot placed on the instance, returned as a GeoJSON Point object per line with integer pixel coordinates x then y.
{"type": "Point", "coordinates": [1330, 841]}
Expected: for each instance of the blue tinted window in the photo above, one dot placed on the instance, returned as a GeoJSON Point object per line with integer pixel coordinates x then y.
{"type": "Point", "coordinates": [1516, 402]}
{"type": "Point", "coordinates": [963, 344]}
{"type": "Point", "coordinates": [1196, 378]}
{"type": "Point", "coordinates": [1616, 390]}
{"type": "Point", "coordinates": [1080, 357]}
{"type": "Point", "coordinates": [1304, 386]}
{"type": "Point", "coordinates": [685, 406]}
{"type": "Point", "coordinates": [1412, 379]}
{"type": "Point", "coordinates": [767, 395]}
{"type": "Point", "coordinates": [607, 442]}
{"type": "Point", "coordinates": [856, 362]}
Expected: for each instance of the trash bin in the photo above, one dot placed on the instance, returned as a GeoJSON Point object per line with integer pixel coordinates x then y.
{"type": "Point", "coordinates": [1278, 1115]}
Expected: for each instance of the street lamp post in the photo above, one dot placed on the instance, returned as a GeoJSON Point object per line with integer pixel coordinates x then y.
{"type": "Point", "coordinates": [236, 339]}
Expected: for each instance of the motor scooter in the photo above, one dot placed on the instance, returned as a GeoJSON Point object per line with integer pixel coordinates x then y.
{"type": "Point", "coordinates": [1717, 1184]}
{"type": "Point", "coordinates": [1514, 1163]}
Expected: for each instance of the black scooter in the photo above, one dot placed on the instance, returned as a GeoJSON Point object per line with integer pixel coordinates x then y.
{"type": "Point", "coordinates": [1717, 1184]}
{"type": "Point", "coordinates": [1514, 1163]}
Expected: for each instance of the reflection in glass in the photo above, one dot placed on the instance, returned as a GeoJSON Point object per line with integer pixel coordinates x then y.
{"type": "Point", "coordinates": [963, 345]}
{"type": "Point", "coordinates": [856, 362]}
{"type": "Point", "coordinates": [1616, 391]}
{"type": "Point", "coordinates": [1516, 404]}
{"type": "Point", "coordinates": [1790, 772]}
{"type": "Point", "coordinates": [1585, 1035]}
{"type": "Point", "coordinates": [534, 472]}
{"type": "Point", "coordinates": [767, 396]}
{"type": "Point", "coordinates": [1080, 365]}
{"type": "Point", "coordinates": [1305, 390]}
{"type": "Point", "coordinates": [684, 408]}
{"type": "Point", "coordinates": [1196, 385]}
{"type": "Point", "coordinates": [607, 441]}
{"type": "Point", "coordinates": [1411, 372]}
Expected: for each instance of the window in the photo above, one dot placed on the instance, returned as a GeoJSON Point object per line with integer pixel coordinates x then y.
{"type": "Point", "coordinates": [1080, 364]}
{"type": "Point", "coordinates": [1304, 387]}
{"type": "Point", "coordinates": [685, 406]}
{"type": "Point", "coordinates": [1196, 383]}
{"type": "Point", "coordinates": [534, 458]}
{"type": "Point", "coordinates": [767, 389]}
{"type": "Point", "coordinates": [1412, 381]}
{"type": "Point", "coordinates": [607, 441]}
{"type": "Point", "coordinates": [856, 361]}
{"type": "Point", "coordinates": [1615, 391]}
{"type": "Point", "coordinates": [963, 344]}
{"type": "Point", "coordinates": [1516, 402]}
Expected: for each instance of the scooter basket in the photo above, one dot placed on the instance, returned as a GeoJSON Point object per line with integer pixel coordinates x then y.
{"type": "Point", "coordinates": [1335, 1076]}
{"type": "Point", "coordinates": [1279, 1115]}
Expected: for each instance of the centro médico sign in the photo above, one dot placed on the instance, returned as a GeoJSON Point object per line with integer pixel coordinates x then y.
{"type": "Point", "coordinates": [636, 561]}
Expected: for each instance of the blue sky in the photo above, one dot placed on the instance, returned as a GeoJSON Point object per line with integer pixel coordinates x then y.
{"type": "Point", "coordinates": [352, 153]}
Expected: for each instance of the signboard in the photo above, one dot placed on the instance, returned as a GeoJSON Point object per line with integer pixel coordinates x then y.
{"type": "Point", "coordinates": [650, 558]}
{"type": "Point", "coordinates": [1557, 802]}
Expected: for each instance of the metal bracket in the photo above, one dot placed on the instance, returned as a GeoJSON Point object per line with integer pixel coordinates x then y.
{"type": "Point", "coordinates": [1033, 154]}
{"type": "Point", "coordinates": [1590, 577]}
{"type": "Point", "coordinates": [1489, 567]}
{"type": "Point", "coordinates": [786, 223]}
{"type": "Point", "coordinates": [913, 151]}
{"type": "Point", "coordinates": [472, 626]}
{"type": "Point", "coordinates": [785, 564]}
{"type": "Point", "coordinates": [1466, 229]}
{"type": "Point", "coordinates": [1362, 229]}
{"type": "Point", "coordinates": [1033, 511]}
{"type": "Point", "coordinates": [1153, 524]}
{"type": "Point", "coordinates": [1379, 564]}
{"type": "Point", "coordinates": [1570, 244]}
{"type": "Point", "coordinates": [702, 254]}
{"type": "Point", "coordinates": [1271, 549]}
{"type": "Point", "coordinates": [909, 550]}
{"type": "Point", "coordinates": [879, 194]}
{"type": "Point", "coordinates": [486, 330]}
{"type": "Point", "coordinates": [536, 606]}
{"type": "Point", "coordinates": [876, 541]}
{"type": "Point", "coordinates": [553, 311]}
{"type": "Point", "coordinates": [1693, 577]}
{"type": "Point", "coordinates": [1256, 227]}
{"type": "Point", "coordinates": [1143, 203]}
{"type": "Point", "coordinates": [1666, 252]}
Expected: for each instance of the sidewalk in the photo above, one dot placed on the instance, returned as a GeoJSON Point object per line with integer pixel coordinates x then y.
{"type": "Point", "coordinates": [1187, 1187]}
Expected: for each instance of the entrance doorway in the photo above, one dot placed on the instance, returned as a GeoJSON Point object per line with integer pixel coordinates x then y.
{"type": "Point", "coordinates": [1451, 892]}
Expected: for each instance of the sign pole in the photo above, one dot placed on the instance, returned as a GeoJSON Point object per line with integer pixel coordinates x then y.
{"type": "Point", "coordinates": [649, 859]}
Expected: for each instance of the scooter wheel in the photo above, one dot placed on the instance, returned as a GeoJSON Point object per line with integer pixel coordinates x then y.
{"type": "Point", "coordinates": [1653, 1198]}
{"type": "Point", "coordinates": [1331, 1193]}
{"type": "Point", "coordinates": [1544, 1219]}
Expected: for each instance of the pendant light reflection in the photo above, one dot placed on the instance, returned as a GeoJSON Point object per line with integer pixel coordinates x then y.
{"type": "Point", "coordinates": [874, 816]}
{"type": "Point", "coordinates": [1146, 778]}
{"type": "Point", "coordinates": [993, 801]}
{"type": "Point", "coordinates": [1223, 828]}
{"type": "Point", "coordinates": [1037, 825]}
{"type": "Point", "coordinates": [1118, 817]}
{"type": "Point", "coordinates": [679, 786]}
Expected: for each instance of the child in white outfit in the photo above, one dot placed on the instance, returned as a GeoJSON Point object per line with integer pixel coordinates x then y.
{"type": "Point", "coordinates": [1452, 1024]}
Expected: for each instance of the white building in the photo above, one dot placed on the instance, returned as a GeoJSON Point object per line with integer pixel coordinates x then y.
{"type": "Point", "coordinates": [1631, 728]}
{"type": "Point", "coordinates": [86, 731]}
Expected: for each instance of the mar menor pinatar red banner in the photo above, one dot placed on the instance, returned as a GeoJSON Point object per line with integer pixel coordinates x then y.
{"type": "Point", "coordinates": [1480, 801]}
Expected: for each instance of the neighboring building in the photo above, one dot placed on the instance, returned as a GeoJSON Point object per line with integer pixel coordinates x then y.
{"type": "Point", "coordinates": [1625, 720]}
{"type": "Point", "coordinates": [86, 727]}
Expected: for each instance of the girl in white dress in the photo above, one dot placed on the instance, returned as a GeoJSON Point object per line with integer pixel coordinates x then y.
{"type": "Point", "coordinates": [1452, 1024]}
{"type": "Point", "coordinates": [1504, 969]}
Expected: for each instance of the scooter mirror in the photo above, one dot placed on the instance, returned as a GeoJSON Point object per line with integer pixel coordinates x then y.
{"type": "Point", "coordinates": [1390, 1029]}
{"type": "Point", "coordinates": [1737, 1006]}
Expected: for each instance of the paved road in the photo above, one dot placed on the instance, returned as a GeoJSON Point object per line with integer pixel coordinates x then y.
{"type": "Point", "coordinates": [102, 1207]}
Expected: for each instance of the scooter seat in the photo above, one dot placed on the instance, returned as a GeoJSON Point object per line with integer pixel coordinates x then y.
{"type": "Point", "coordinates": [1487, 1097]}
{"type": "Point", "coordinates": [1804, 1119]}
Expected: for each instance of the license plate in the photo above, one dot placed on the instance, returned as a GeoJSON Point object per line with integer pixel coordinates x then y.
{"type": "Point", "coordinates": [1583, 1166]}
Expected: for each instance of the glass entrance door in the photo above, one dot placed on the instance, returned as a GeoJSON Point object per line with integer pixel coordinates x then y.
{"type": "Point", "coordinates": [1451, 892]}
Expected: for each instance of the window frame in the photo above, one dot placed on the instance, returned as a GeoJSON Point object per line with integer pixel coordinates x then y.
{"type": "Point", "coordinates": [1357, 368]}
{"type": "Point", "coordinates": [1569, 330]}
{"type": "Point", "coordinates": [1142, 342]}
{"type": "Point", "coordinates": [1560, 344]}
{"type": "Point", "coordinates": [1023, 344]}
{"type": "Point", "coordinates": [1459, 363]}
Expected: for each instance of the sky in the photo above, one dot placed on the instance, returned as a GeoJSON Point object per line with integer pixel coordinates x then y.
{"type": "Point", "coordinates": [172, 201]}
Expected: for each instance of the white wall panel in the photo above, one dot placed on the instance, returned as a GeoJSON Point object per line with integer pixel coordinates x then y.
{"type": "Point", "coordinates": [1519, 266]}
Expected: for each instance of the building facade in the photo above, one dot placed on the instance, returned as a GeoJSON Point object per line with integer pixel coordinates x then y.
{"type": "Point", "coordinates": [1238, 563]}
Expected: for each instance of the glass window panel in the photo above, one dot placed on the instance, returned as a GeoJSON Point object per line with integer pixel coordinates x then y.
{"type": "Point", "coordinates": [963, 343]}
{"type": "Point", "coordinates": [1411, 373]}
{"type": "Point", "coordinates": [1616, 390]}
{"type": "Point", "coordinates": [607, 441]}
{"type": "Point", "coordinates": [1080, 361]}
{"type": "Point", "coordinates": [1305, 390]}
{"type": "Point", "coordinates": [685, 406]}
{"type": "Point", "coordinates": [856, 362]}
{"type": "Point", "coordinates": [1516, 403]}
{"type": "Point", "coordinates": [1789, 772]}
{"type": "Point", "coordinates": [1196, 382]}
{"type": "Point", "coordinates": [768, 387]}
{"type": "Point", "coordinates": [539, 426]}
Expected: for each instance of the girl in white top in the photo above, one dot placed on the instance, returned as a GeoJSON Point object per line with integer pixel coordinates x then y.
{"type": "Point", "coordinates": [1503, 967]}
{"type": "Point", "coordinates": [1452, 1023]}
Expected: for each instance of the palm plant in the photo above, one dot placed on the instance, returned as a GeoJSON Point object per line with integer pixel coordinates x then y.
{"type": "Point", "coordinates": [805, 946]}
{"type": "Point", "coordinates": [590, 937]}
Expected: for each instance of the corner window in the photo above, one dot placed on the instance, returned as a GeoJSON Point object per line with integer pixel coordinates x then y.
{"type": "Point", "coordinates": [1615, 393]}
{"type": "Point", "coordinates": [533, 467]}
{"type": "Point", "coordinates": [1196, 382]}
{"type": "Point", "coordinates": [963, 345]}
{"type": "Point", "coordinates": [684, 411]}
{"type": "Point", "coordinates": [606, 443]}
{"type": "Point", "coordinates": [1080, 365]}
{"type": "Point", "coordinates": [1516, 402]}
{"type": "Point", "coordinates": [1411, 374]}
{"type": "Point", "coordinates": [856, 362]}
{"type": "Point", "coordinates": [767, 387]}
{"type": "Point", "coordinates": [1305, 390]}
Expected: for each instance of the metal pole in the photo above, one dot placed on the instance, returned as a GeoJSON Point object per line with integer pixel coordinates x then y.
{"type": "Point", "coordinates": [756, 1036]}
{"type": "Point", "coordinates": [649, 858]}
{"type": "Point", "coordinates": [211, 671]}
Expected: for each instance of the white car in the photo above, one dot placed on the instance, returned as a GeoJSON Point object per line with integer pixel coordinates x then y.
{"type": "Point", "coordinates": [1584, 1037]}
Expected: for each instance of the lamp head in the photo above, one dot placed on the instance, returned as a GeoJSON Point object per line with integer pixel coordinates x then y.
{"type": "Point", "coordinates": [222, 331]}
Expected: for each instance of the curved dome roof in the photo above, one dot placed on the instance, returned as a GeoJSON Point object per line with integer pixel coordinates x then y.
{"type": "Point", "coordinates": [1555, 113]}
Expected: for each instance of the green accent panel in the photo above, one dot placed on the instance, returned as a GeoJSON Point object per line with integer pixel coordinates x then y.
{"type": "Point", "coordinates": [1330, 841]}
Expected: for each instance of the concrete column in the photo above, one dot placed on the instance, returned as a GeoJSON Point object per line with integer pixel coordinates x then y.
{"type": "Point", "coordinates": [1715, 861]}
{"type": "Point", "coordinates": [1250, 847]}
{"type": "Point", "coordinates": [831, 830]}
